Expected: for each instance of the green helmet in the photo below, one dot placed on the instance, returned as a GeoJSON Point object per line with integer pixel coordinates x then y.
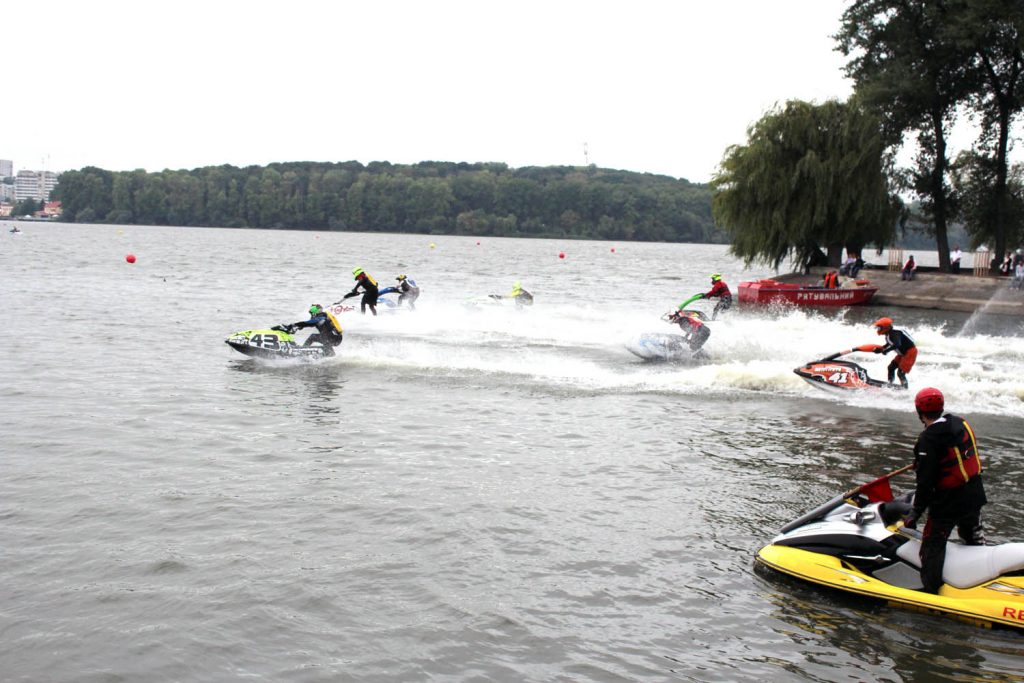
{"type": "Point", "coordinates": [315, 309]}
{"type": "Point", "coordinates": [356, 272]}
{"type": "Point", "coordinates": [715, 277]}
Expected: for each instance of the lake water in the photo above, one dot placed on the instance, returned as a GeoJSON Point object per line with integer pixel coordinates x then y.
{"type": "Point", "coordinates": [462, 494]}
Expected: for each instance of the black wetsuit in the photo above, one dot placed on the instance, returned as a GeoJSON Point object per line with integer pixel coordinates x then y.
{"type": "Point", "coordinates": [944, 456]}
{"type": "Point", "coordinates": [370, 293]}
{"type": "Point", "coordinates": [326, 334]}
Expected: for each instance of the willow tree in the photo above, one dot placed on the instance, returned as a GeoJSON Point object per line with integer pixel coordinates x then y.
{"type": "Point", "coordinates": [810, 177]}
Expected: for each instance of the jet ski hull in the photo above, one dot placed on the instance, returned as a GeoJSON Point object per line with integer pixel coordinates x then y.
{"type": "Point", "coordinates": [861, 548]}
{"type": "Point", "coordinates": [658, 346]}
{"type": "Point", "coordinates": [271, 344]}
{"type": "Point", "coordinates": [840, 376]}
{"type": "Point", "coordinates": [1000, 601]}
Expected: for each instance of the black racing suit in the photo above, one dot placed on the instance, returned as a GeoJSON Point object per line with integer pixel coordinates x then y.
{"type": "Point", "coordinates": [326, 334]}
{"type": "Point", "coordinates": [949, 487]}
{"type": "Point", "coordinates": [370, 293]}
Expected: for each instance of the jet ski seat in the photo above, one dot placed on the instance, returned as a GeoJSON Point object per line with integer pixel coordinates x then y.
{"type": "Point", "coordinates": [970, 565]}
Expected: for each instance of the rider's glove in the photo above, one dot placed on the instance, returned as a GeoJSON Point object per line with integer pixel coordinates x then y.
{"type": "Point", "coordinates": [910, 520]}
{"type": "Point", "coordinates": [878, 350]}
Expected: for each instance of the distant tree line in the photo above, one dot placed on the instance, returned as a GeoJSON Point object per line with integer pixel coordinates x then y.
{"type": "Point", "coordinates": [428, 197]}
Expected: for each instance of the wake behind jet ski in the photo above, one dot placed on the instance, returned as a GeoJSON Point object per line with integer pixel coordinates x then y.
{"type": "Point", "coordinates": [856, 543]}
{"type": "Point", "coordinates": [841, 375]}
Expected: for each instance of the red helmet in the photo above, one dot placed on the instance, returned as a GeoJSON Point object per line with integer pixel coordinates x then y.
{"type": "Point", "coordinates": [929, 400]}
{"type": "Point", "coordinates": [883, 325]}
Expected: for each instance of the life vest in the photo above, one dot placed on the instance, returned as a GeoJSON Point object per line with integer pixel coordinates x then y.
{"type": "Point", "coordinates": [334, 322]}
{"type": "Point", "coordinates": [831, 280]}
{"type": "Point", "coordinates": [366, 276]}
{"type": "Point", "coordinates": [718, 289]}
{"type": "Point", "coordinates": [961, 462]}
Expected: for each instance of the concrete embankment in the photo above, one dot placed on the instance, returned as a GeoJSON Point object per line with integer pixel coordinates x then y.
{"type": "Point", "coordinates": [935, 290]}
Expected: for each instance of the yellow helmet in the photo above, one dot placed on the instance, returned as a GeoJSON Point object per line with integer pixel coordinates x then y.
{"type": "Point", "coordinates": [715, 277]}
{"type": "Point", "coordinates": [400, 277]}
{"type": "Point", "coordinates": [356, 272]}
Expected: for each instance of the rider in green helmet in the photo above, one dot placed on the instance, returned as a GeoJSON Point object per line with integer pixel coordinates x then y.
{"type": "Point", "coordinates": [328, 330]}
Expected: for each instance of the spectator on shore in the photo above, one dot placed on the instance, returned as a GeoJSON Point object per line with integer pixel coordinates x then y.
{"type": "Point", "coordinates": [852, 265]}
{"type": "Point", "coordinates": [1018, 275]}
{"type": "Point", "coordinates": [954, 260]}
{"type": "Point", "coordinates": [1006, 267]}
{"type": "Point", "coordinates": [908, 269]}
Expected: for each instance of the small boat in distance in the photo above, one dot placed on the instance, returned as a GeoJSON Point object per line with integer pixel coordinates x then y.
{"type": "Point", "coordinates": [774, 292]}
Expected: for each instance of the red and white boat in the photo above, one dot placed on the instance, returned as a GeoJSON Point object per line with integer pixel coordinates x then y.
{"type": "Point", "coordinates": [774, 292]}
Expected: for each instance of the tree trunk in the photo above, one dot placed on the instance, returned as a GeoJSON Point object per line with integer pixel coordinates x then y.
{"type": "Point", "coordinates": [938, 190]}
{"type": "Point", "coordinates": [835, 255]}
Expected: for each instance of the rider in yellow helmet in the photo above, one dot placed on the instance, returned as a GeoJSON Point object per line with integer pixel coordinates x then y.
{"type": "Point", "coordinates": [370, 290]}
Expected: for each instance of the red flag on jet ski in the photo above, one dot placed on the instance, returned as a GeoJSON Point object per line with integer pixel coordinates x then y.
{"type": "Point", "coordinates": [878, 491]}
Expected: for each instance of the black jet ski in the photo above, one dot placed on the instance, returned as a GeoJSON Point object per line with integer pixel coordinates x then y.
{"type": "Point", "coordinates": [275, 342]}
{"type": "Point", "coordinates": [842, 375]}
{"type": "Point", "coordinates": [856, 543]}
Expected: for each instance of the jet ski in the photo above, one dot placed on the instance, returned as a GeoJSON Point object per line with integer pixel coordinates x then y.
{"type": "Point", "coordinates": [668, 347]}
{"type": "Point", "coordinates": [842, 375]}
{"type": "Point", "coordinates": [660, 346]}
{"type": "Point", "coordinates": [857, 543]}
{"type": "Point", "coordinates": [275, 342]}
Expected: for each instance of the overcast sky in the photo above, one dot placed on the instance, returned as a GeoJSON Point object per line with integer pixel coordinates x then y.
{"type": "Point", "coordinates": [658, 87]}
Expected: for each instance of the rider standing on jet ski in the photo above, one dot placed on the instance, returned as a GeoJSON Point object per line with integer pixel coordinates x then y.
{"type": "Point", "coordinates": [408, 291]}
{"type": "Point", "coordinates": [718, 289]}
{"type": "Point", "coordinates": [329, 332]}
{"type": "Point", "coordinates": [949, 484]}
{"type": "Point", "coordinates": [370, 290]}
{"type": "Point", "coordinates": [901, 342]}
{"type": "Point", "coordinates": [694, 330]}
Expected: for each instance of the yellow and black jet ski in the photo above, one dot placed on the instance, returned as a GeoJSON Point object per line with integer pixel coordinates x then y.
{"type": "Point", "coordinates": [856, 542]}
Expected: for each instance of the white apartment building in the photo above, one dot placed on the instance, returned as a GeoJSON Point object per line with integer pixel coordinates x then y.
{"type": "Point", "coordinates": [6, 168]}
{"type": "Point", "coordinates": [34, 185]}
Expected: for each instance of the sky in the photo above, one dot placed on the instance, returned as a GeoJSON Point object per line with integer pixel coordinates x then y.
{"type": "Point", "coordinates": [660, 87]}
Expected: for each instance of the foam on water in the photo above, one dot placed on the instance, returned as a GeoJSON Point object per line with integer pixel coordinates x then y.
{"type": "Point", "coordinates": [583, 347]}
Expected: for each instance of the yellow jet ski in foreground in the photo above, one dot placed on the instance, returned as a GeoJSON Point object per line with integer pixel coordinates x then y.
{"type": "Point", "coordinates": [856, 542]}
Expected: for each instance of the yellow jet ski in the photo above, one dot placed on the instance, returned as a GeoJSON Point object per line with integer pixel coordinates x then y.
{"type": "Point", "coordinates": [856, 542]}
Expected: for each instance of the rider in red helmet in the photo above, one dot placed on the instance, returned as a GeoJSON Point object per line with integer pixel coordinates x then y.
{"type": "Point", "coordinates": [949, 485]}
{"type": "Point", "coordinates": [900, 342]}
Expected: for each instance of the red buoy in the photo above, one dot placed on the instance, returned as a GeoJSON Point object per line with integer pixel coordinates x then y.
{"type": "Point", "coordinates": [561, 254]}
{"type": "Point", "coordinates": [130, 258]}
{"type": "Point", "coordinates": [613, 250]}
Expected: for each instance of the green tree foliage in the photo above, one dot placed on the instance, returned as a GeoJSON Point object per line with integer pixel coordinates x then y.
{"type": "Point", "coordinates": [993, 32]}
{"type": "Point", "coordinates": [904, 65]}
{"type": "Point", "coordinates": [429, 197]}
{"type": "Point", "coordinates": [810, 176]}
{"type": "Point", "coordinates": [975, 176]}
{"type": "Point", "coordinates": [923, 62]}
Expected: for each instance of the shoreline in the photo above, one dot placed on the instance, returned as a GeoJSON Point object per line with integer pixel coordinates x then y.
{"type": "Point", "coordinates": [933, 290]}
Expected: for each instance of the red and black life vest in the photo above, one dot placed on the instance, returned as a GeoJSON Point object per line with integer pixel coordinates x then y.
{"type": "Point", "coordinates": [961, 462]}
